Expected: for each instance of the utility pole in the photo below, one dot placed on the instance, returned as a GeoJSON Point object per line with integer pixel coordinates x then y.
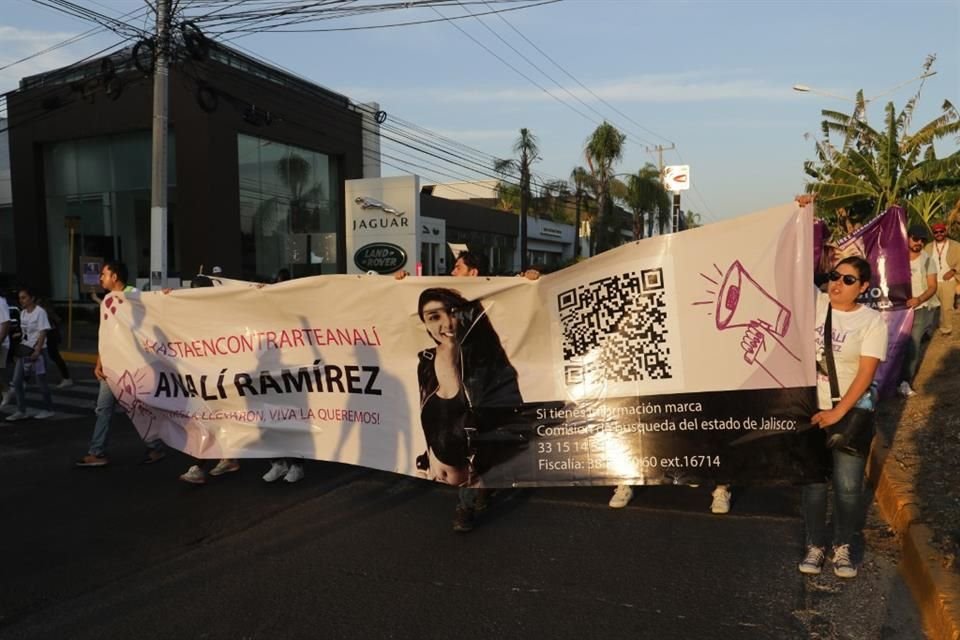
{"type": "Point", "coordinates": [660, 149]}
{"type": "Point", "coordinates": [676, 196]}
{"type": "Point", "coordinates": [158, 186]}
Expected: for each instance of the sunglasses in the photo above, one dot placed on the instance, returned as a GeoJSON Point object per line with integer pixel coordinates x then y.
{"type": "Point", "coordinates": [846, 277]}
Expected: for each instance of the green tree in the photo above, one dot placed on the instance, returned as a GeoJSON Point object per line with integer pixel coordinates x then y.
{"type": "Point", "coordinates": [873, 169]}
{"type": "Point", "coordinates": [527, 153]}
{"type": "Point", "coordinates": [645, 195]}
{"type": "Point", "coordinates": [692, 219]}
{"type": "Point", "coordinates": [604, 148]}
{"type": "Point", "coordinates": [552, 201]}
{"type": "Point", "coordinates": [581, 180]}
{"type": "Point", "coordinates": [508, 196]}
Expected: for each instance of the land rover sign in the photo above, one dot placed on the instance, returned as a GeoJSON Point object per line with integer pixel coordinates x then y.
{"type": "Point", "coordinates": [382, 257]}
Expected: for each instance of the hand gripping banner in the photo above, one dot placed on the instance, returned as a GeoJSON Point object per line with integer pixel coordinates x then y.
{"type": "Point", "coordinates": [676, 359]}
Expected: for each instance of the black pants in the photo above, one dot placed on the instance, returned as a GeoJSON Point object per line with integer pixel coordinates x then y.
{"type": "Point", "coordinates": [53, 344]}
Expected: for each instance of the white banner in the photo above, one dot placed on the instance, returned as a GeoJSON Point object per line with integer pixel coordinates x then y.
{"type": "Point", "coordinates": [391, 374]}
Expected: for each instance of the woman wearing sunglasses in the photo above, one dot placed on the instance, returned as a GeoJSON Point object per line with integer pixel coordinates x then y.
{"type": "Point", "coordinates": [859, 343]}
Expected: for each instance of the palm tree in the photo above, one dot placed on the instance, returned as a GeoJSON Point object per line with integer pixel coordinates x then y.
{"type": "Point", "coordinates": [875, 169]}
{"type": "Point", "coordinates": [508, 196]}
{"type": "Point", "coordinates": [604, 148]}
{"type": "Point", "coordinates": [527, 151]}
{"type": "Point", "coordinates": [581, 179]}
{"type": "Point", "coordinates": [691, 219]}
{"type": "Point", "coordinates": [645, 193]}
{"type": "Point", "coordinates": [553, 199]}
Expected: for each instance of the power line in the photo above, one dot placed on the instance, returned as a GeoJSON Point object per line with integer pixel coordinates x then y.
{"type": "Point", "coordinates": [69, 41]}
{"type": "Point", "coordinates": [113, 24]}
{"type": "Point", "coordinates": [575, 79]}
{"type": "Point", "coordinates": [545, 74]}
{"type": "Point", "coordinates": [57, 88]}
{"type": "Point", "coordinates": [517, 71]}
{"type": "Point", "coordinates": [693, 185]}
{"type": "Point", "coordinates": [246, 21]}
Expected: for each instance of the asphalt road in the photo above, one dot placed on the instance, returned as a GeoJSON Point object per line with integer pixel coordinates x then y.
{"type": "Point", "coordinates": [129, 551]}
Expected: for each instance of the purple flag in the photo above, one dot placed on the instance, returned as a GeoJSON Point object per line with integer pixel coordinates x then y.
{"type": "Point", "coordinates": [883, 243]}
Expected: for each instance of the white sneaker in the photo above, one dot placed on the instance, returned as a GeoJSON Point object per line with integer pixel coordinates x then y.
{"type": "Point", "coordinates": [43, 415]}
{"type": "Point", "coordinates": [66, 382]}
{"type": "Point", "coordinates": [17, 416]}
{"type": "Point", "coordinates": [842, 564]}
{"type": "Point", "coordinates": [225, 466]}
{"type": "Point", "coordinates": [721, 499]}
{"type": "Point", "coordinates": [277, 470]}
{"type": "Point", "coordinates": [622, 496]}
{"type": "Point", "coordinates": [812, 563]}
{"type": "Point", "coordinates": [194, 475]}
{"type": "Point", "coordinates": [295, 474]}
{"type": "Point", "coordinates": [8, 397]}
{"type": "Point", "coordinates": [905, 390]}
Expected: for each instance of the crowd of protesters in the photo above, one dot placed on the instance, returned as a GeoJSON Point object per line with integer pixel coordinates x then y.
{"type": "Point", "coordinates": [845, 383]}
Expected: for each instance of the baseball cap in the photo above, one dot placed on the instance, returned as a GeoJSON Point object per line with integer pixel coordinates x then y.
{"type": "Point", "coordinates": [216, 271]}
{"type": "Point", "coordinates": [918, 231]}
{"type": "Point", "coordinates": [938, 226]}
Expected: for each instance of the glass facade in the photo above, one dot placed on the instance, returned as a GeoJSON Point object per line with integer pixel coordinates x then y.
{"type": "Point", "coordinates": [289, 209]}
{"type": "Point", "coordinates": [104, 184]}
{"type": "Point", "coordinates": [497, 248]}
{"type": "Point", "coordinates": [8, 249]}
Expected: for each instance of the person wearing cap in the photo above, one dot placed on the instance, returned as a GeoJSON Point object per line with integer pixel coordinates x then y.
{"type": "Point", "coordinates": [946, 253]}
{"type": "Point", "coordinates": [923, 301]}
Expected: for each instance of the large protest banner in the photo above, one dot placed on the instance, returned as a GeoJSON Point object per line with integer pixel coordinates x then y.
{"type": "Point", "coordinates": [675, 359]}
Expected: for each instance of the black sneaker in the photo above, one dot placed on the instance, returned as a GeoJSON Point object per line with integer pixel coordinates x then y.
{"type": "Point", "coordinates": [153, 455]}
{"type": "Point", "coordinates": [463, 520]}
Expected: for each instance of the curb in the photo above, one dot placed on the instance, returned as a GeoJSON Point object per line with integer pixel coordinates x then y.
{"type": "Point", "coordinates": [76, 356]}
{"type": "Point", "coordinates": [935, 590]}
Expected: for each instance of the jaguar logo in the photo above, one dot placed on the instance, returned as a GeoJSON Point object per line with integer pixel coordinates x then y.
{"type": "Point", "coordinates": [372, 203]}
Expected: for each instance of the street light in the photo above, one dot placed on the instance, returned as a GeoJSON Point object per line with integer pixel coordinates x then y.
{"type": "Point", "coordinates": [802, 88]}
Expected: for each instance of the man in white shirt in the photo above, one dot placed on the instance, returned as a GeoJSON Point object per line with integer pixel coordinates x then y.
{"type": "Point", "coordinates": [923, 301]}
{"type": "Point", "coordinates": [4, 347]}
{"type": "Point", "coordinates": [946, 253]}
{"type": "Point", "coordinates": [113, 278]}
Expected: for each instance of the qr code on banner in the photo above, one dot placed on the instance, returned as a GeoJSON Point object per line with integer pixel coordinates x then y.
{"type": "Point", "coordinates": [615, 329]}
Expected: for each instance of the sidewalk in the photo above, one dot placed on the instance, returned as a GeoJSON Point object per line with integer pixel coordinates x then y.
{"type": "Point", "coordinates": [83, 347]}
{"type": "Point", "coordinates": [935, 584]}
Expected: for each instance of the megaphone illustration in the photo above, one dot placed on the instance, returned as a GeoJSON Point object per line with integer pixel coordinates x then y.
{"type": "Point", "coordinates": [743, 303]}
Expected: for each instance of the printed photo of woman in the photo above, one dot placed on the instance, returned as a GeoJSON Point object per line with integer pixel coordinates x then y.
{"type": "Point", "coordinates": [468, 390]}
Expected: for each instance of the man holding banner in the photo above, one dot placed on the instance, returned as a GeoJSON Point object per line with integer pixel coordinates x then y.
{"type": "Point", "coordinates": [113, 278]}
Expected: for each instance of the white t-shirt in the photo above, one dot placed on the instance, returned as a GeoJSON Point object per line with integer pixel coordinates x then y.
{"type": "Point", "coordinates": [856, 333]}
{"type": "Point", "coordinates": [5, 317]}
{"type": "Point", "coordinates": [920, 267]}
{"type": "Point", "coordinates": [31, 323]}
{"type": "Point", "coordinates": [938, 251]}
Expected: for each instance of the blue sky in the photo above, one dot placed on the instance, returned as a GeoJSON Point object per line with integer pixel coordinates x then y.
{"type": "Point", "coordinates": [714, 78]}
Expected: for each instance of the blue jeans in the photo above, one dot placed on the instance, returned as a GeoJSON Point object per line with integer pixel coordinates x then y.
{"type": "Point", "coordinates": [923, 321]}
{"type": "Point", "coordinates": [847, 501]}
{"type": "Point", "coordinates": [19, 377]}
{"type": "Point", "coordinates": [106, 405]}
{"type": "Point", "coordinates": [468, 497]}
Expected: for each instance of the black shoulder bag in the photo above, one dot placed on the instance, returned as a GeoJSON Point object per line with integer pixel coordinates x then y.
{"type": "Point", "coordinates": [854, 433]}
